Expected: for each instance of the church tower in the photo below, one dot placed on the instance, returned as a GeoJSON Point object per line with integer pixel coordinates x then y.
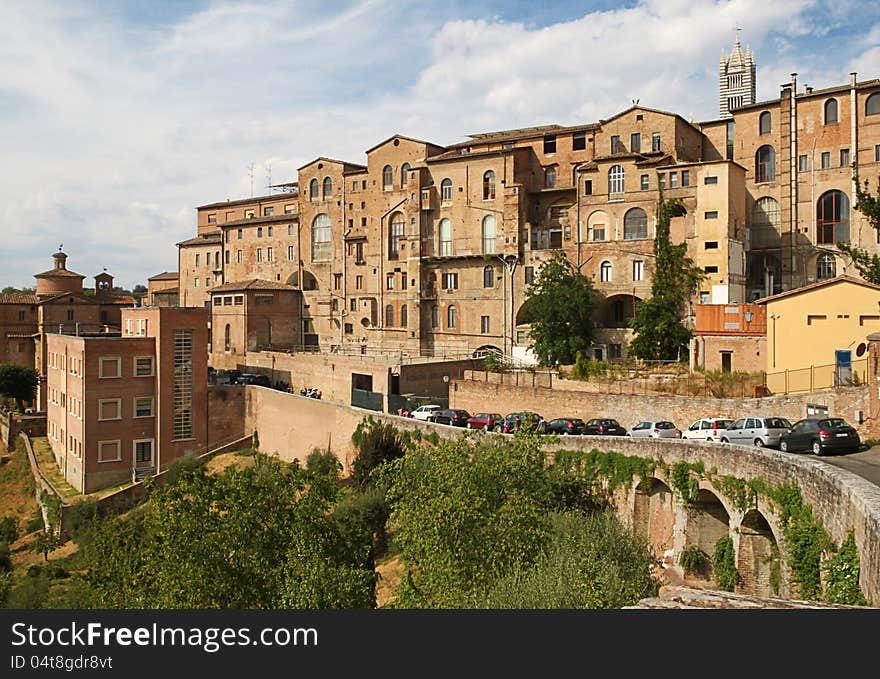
{"type": "Point", "coordinates": [736, 79]}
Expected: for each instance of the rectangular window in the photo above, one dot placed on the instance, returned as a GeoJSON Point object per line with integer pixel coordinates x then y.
{"type": "Point", "coordinates": [530, 275]}
{"type": "Point", "coordinates": [212, 219]}
{"type": "Point", "coordinates": [269, 231]}
{"type": "Point", "coordinates": [615, 143]}
{"type": "Point", "coordinates": [109, 409]}
{"type": "Point", "coordinates": [349, 329]}
{"type": "Point", "coordinates": [484, 325]}
{"type": "Point", "coordinates": [661, 180]}
{"type": "Point", "coordinates": [359, 282]}
{"type": "Point", "coordinates": [598, 232]}
{"type": "Point", "coordinates": [21, 315]}
{"type": "Point", "coordinates": [389, 282]}
{"type": "Point", "coordinates": [615, 351]}
{"type": "Point", "coordinates": [711, 214]}
{"type": "Point", "coordinates": [638, 270]}
{"type": "Point", "coordinates": [239, 300]}
{"type": "Point", "coordinates": [259, 232]}
{"type": "Point", "coordinates": [269, 257]}
{"type": "Point", "coordinates": [268, 211]}
{"type": "Point", "coordinates": [588, 187]}
{"type": "Point", "coordinates": [403, 281]}
{"type": "Point", "coordinates": [710, 269]}
{"type": "Point", "coordinates": [109, 451]}
{"type": "Point", "coordinates": [227, 301]}
{"type": "Point", "coordinates": [238, 256]}
{"type": "Point", "coordinates": [673, 180]}
{"type": "Point", "coordinates": [844, 157]}
{"type": "Point", "coordinates": [228, 253]}
{"type": "Point", "coordinates": [710, 180]}
{"type": "Point", "coordinates": [337, 281]}
{"type": "Point", "coordinates": [450, 281]}
{"type": "Point", "coordinates": [143, 453]}
{"type": "Point", "coordinates": [550, 144]}
{"type": "Point", "coordinates": [240, 234]}
{"type": "Point", "coordinates": [635, 142]}
{"type": "Point", "coordinates": [183, 385]}
{"type": "Point", "coordinates": [655, 142]}
{"type": "Point", "coordinates": [207, 259]}
{"type": "Point", "coordinates": [363, 221]}
{"type": "Point", "coordinates": [802, 163]}
{"type": "Point", "coordinates": [685, 177]}
{"type": "Point", "coordinates": [259, 254]}
{"type": "Point", "coordinates": [289, 253]}
{"type": "Point", "coordinates": [198, 259]}
{"type": "Point", "coordinates": [646, 182]}
{"type": "Point", "coordinates": [579, 141]}
{"type": "Point", "coordinates": [207, 281]}
{"type": "Point", "coordinates": [289, 209]}
{"type": "Point", "coordinates": [109, 367]}
{"type": "Point", "coordinates": [143, 406]}
{"type": "Point", "coordinates": [877, 153]}
{"type": "Point", "coordinates": [248, 214]}
{"type": "Point", "coordinates": [826, 160]}
{"type": "Point", "coordinates": [711, 244]}
{"type": "Point", "coordinates": [353, 304]}
{"type": "Point", "coordinates": [143, 366]}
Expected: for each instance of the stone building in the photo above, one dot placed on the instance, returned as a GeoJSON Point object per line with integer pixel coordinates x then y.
{"type": "Point", "coordinates": [429, 250]}
{"type": "Point", "coordinates": [162, 289]}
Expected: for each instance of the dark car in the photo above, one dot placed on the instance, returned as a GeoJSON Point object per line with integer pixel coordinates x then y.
{"type": "Point", "coordinates": [253, 378]}
{"type": "Point", "coordinates": [487, 421]}
{"type": "Point", "coordinates": [820, 435]}
{"type": "Point", "coordinates": [455, 417]}
{"type": "Point", "coordinates": [514, 421]}
{"type": "Point", "coordinates": [564, 426]}
{"type": "Point", "coordinates": [603, 426]}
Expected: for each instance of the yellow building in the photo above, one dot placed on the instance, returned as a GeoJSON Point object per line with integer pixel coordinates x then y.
{"type": "Point", "coordinates": [807, 326]}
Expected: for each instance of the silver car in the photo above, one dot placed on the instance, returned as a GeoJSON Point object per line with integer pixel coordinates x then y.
{"type": "Point", "coordinates": [757, 431]}
{"type": "Point", "coordinates": [655, 429]}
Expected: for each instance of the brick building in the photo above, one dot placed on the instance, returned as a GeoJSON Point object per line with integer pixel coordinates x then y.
{"type": "Point", "coordinates": [123, 405]}
{"type": "Point", "coordinates": [162, 289]}
{"type": "Point", "coordinates": [429, 249]}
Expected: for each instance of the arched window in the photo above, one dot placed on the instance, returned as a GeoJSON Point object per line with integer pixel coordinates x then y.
{"type": "Point", "coordinates": [764, 122]}
{"type": "Point", "coordinates": [404, 174]}
{"type": "Point", "coordinates": [488, 277]}
{"type": "Point", "coordinates": [227, 338]}
{"type": "Point", "coordinates": [616, 179]}
{"type": "Point", "coordinates": [826, 266]}
{"type": "Point", "coordinates": [635, 224]}
{"type": "Point", "coordinates": [489, 185]}
{"type": "Point", "coordinates": [765, 164]}
{"type": "Point", "coordinates": [387, 177]}
{"type": "Point", "coordinates": [489, 235]}
{"type": "Point", "coordinates": [404, 316]}
{"type": "Point", "coordinates": [313, 189]}
{"type": "Point", "coordinates": [764, 232]}
{"type": "Point", "coordinates": [832, 218]}
{"type": "Point", "coordinates": [596, 226]}
{"type": "Point", "coordinates": [451, 316]}
{"type": "Point", "coordinates": [321, 245]}
{"type": "Point", "coordinates": [389, 316]}
{"type": "Point", "coordinates": [831, 111]}
{"type": "Point", "coordinates": [435, 316]}
{"type": "Point", "coordinates": [550, 177]}
{"type": "Point", "coordinates": [328, 187]}
{"type": "Point", "coordinates": [605, 272]}
{"type": "Point", "coordinates": [872, 105]}
{"type": "Point", "coordinates": [445, 237]}
{"type": "Point", "coordinates": [446, 189]}
{"type": "Point", "coordinates": [395, 233]}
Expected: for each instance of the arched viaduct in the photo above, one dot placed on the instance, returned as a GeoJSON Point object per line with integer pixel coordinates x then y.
{"type": "Point", "coordinates": [291, 426]}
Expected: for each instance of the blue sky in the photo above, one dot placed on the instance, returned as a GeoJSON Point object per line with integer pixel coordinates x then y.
{"type": "Point", "coordinates": [117, 119]}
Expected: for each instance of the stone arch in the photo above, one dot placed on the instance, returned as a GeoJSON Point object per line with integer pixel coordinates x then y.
{"type": "Point", "coordinates": [757, 560]}
{"type": "Point", "coordinates": [654, 517]}
{"type": "Point", "coordinates": [707, 522]}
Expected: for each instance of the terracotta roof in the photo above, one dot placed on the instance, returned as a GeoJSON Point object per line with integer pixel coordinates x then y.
{"type": "Point", "coordinates": [18, 298]}
{"type": "Point", "coordinates": [346, 164]}
{"type": "Point", "coordinates": [842, 278]}
{"type": "Point", "coordinates": [245, 201]}
{"type": "Point", "coordinates": [652, 110]}
{"type": "Point", "coordinates": [165, 276]}
{"type": "Point", "coordinates": [271, 219]}
{"type": "Point", "coordinates": [166, 291]}
{"type": "Point", "coordinates": [209, 239]}
{"type": "Point", "coordinates": [252, 284]}
{"type": "Point", "coordinates": [59, 273]}
{"type": "Point", "coordinates": [401, 136]}
{"type": "Point", "coordinates": [522, 133]}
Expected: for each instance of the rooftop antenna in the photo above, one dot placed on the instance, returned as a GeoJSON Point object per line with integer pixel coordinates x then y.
{"type": "Point", "coordinates": [251, 173]}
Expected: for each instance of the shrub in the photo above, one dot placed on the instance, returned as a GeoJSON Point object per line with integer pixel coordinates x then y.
{"type": "Point", "coordinates": [182, 466]}
{"type": "Point", "coordinates": [323, 463]}
{"type": "Point", "coordinates": [8, 529]}
{"type": "Point", "coordinates": [35, 523]}
{"type": "Point", "coordinates": [5, 560]}
{"type": "Point", "coordinates": [31, 593]}
{"type": "Point", "coordinates": [376, 443]}
{"type": "Point", "coordinates": [693, 560]}
{"type": "Point", "coordinates": [724, 565]}
{"type": "Point", "coordinates": [842, 575]}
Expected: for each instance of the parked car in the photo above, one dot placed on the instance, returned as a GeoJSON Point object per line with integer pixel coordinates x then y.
{"type": "Point", "coordinates": [487, 421]}
{"type": "Point", "coordinates": [564, 426]}
{"type": "Point", "coordinates": [253, 378]}
{"type": "Point", "coordinates": [424, 413]}
{"type": "Point", "coordinates": [603, 426]}
{"type": "Point", "coordinates": [758, 431]}
{"type": "Point", "coordinates": [655, 429]}
{"type": "Point", "coordinates": [453, 416]}
{"type": "Point", "coordinates": [821, 436]}
{"type": "Point", "coordinates": [514, 421]}
{"type": "Point", "coordinates": [707, 429]}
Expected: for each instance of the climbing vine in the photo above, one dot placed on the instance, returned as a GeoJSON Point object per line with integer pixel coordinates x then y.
{"type": "Point", "coordinates": [693, 559]}
{"type": "Point", "coordinates": [615, 469]}
{"type": "Point", "coordinates": [53, 509]}
{"type": "Point", "coordinates": [724, 565]}
{"type": "Point", "coordinates": [842, 575]}
{"type": "Point", "coordinates": [685, 483]}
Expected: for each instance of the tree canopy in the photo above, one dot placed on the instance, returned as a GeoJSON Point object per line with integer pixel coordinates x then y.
{"type": "Point", "coordinates": [18, 382]}
{"type": "Point", "coordinates": [660, 333]}
{"type": "Point", "coordinates": [866, 263]}
{"type": "Point", "coordinates": [559, 305]}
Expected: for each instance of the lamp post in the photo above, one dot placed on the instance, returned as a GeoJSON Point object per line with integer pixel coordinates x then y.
{"type": "Point", "coordinates": [773, 318]}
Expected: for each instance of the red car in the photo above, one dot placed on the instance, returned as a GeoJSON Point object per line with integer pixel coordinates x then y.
{"type": "Point", "coordinates": [487, 421]}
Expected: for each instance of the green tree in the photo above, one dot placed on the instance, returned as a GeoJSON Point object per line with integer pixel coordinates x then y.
{"type": "Point", "coordinates": [45, 542]}
{"type": "Point", "coordinates": [376, 443]}
{"type": "Point", "coordinates": [558, 306]}
{"type": "Point", "coordinates": [866, 263]}
{"type": "Point", "coordinates": [660, 332]}
{"type": "Point", "coordinates": [18, 382]}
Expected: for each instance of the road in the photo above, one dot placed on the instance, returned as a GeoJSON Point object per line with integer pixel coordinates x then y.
{"type": "Point", "coordinates": [866, 464]}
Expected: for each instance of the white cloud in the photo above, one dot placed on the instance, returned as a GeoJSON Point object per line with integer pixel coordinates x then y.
{"type": "Point", "coordinates": [114, 132]}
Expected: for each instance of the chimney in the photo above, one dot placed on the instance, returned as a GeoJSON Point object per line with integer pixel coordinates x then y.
{"type": "Point", "coordinates": [852, 79]}
{"type": "Point", "coordinates": [808, 89]}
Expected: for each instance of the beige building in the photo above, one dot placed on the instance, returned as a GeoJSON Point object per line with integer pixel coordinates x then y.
{"type": "Point", "coordinates": [162, 289]}
{"type": "Point", "coordinates": [124, 405]}
{"type": "Point", "coordinates": [429, 249]}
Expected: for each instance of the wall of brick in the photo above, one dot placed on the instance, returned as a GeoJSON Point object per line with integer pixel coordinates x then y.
{"type": "Point", "coordinates": [225, 413]}
{"type": "Point", "coordinates": [630, 409]}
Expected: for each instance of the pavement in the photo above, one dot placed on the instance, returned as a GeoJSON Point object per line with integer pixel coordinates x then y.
{"type": "Point", "coordinates": [866, 463]}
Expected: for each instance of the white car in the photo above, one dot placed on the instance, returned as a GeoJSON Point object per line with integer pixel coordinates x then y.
{"type": "Point", "coordinates": [655, 429]}
{"type": "Point", "coordinates": [707, 429]}
{"type": "Point", "coordinates": [424, 413]}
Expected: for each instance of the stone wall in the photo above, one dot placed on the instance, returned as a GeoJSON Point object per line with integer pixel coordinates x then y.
{"type": "Point", "coordinates": [628, 409]}
{"type": "Point", "coordinates": [225, 413]}
{"type": "Point", "coordinates": [11, 425]}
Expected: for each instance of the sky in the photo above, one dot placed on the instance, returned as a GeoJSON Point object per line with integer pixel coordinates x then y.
{"type": "Point", "coordinates": [118, 119]}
